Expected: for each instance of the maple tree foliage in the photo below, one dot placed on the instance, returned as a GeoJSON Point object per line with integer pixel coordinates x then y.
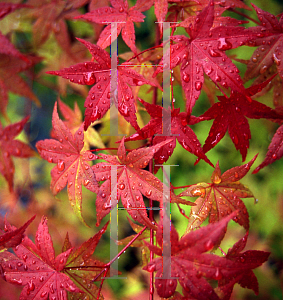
{"type": "Point", "coordinates": [50, 16]}
{"type": "Point", "coordinates": [269, 44]}
{"type": "Point", "coordinates": [204, 52]}
{"type": "Point", "coordinates": [237, 107]}
{"type": "Point", "coordinates": [275, 150]}
{"type": "Point", "coordinates": [192, 267]}
{"type": "Point", "coordinates": [70, 157]}
{"type": "Point", "coordinates": [131, 183]}
{"type": "Point", "coordinates": [123, 16]}
{"type": "Point", "coordinates": [11, 65]}
{"type": "Point", "coordinates": [201, 34]}
{"type": "Point", "coordinates": [82, 268]}
{"type": "Point", "coordinates": [178, 127]}
{"type": "Point", "coordinates": [10, 147]}
{"type": "Point", "coordinates": [99, 73]}
{"type": "Point", "coordinates": [41, 273]}
{"type": "Point", "coordinates": [14, 237]}
{"type": "Point", "coordinates": [221, 197]}
{"type": "Point", "coordinates": [74, 119]}
{"type": "Point", "coordinates": [38, 259]}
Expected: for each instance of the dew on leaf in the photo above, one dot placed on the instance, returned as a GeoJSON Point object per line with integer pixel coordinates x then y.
{"type": "Point", "coordinates": [198, 85]}
{"type": "Point", "coordinates": [43, 294]}
{"type": "Point", "coordinates": [213, 53]}
{"type": "Point", "coordinates": [208, 245]}
{"type": "Point", "coordinates": [224, 44]}
{"type": "Point", "coordinates": [263, 69]}
{"type": "Point", "coordinates": [198, 192]}
{"type": "Point", "coordinates": [121, 186]}
{"type": "Point", "coordinates": [209, 71]}
{"type": "Point", "coordinates": [31, 286]}
{"type": "Point", "coordinates": [276, 59]}
{"type": "Point", "coordinates": [148, 193]}
{"type": "Point", "coordinates": [106, 206]}
{"type": "Point", "coordinates": [124, 110]}
{"type": "Point", "coordinates": [60, 165]}
{"type": "Point", "coordinates": [17, 281]}
{"type": "Point", "coordinates": [217, 77]}
{"type": "Point", "coordinates": [186, 77]}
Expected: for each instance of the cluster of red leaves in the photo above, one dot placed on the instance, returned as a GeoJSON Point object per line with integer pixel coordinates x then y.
{"type": "Point", "coordinates": [200, 53]}
{"type": "Point", "coordinates": [43, 275]}
{"type": "Point", "coordinates": [192, 267]}
{"type": "Point", "coordinates": [70, 157]}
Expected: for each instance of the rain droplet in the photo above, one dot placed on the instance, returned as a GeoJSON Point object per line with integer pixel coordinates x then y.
{"type": "Point", "coordinates": [208, 245]}
{"type": "Point", "coordinates": [17, 281]}
{"type": "Point", "coordinates": [148, 193]}
{"type": "Point", "coordinates": [263, 69]}
{"type": "Point", "coordinates": [186, 77]}
{"type": "Point", "coordinates": [213, 53]}
{"type": "Point", "coordinates": [60, 165]}
{"type": "Point", "coordinates": [43, 294]}
{"type": "Point", "coordinates": [31, 286]}
{"type": "Point", "coordinates": [209, 71]}
{"type": "Point", "coordinates": [198, 85]}
{"type": "Point", "coordinates": [218, 274]}
{"type": "Point", "coordinates": [86, 182]}
{"type": "Point", "coordinates": [121, 186]}
{"type": "Point", "coordinates": [224, 45]}
{"type": "Point", "coordinates": [124, 110]}
{"type": "Point", "coordinates": [91, 156]}
{"type": "Point", "coordinates": [217, 77]}
{"type": "Point", "coordinates": [276, 59]}
{"type": "Point", "coordinates": [89, 78]}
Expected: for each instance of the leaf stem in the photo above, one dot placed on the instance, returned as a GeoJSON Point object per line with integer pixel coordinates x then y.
{"type": "Point", "coordinates": [107, 266]}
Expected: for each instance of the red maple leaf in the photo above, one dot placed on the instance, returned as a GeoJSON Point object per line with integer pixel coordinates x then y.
{"type": "Point", "coordinates": [247, 279]}
{"type": "Point", "coordinates": [184, 134]}
{"type": "Point", "coordinates": [13, 237]}
{"type": "Point", "coordinates": [10, 147]}
{"type": "Point", "coordinates": [125, 18]}
{"type": "Point", "coordinates": [230, 114]}
{"type": "Point", "coordinates": [82, 268]}
{"type": "Point", "coordinates": [270, 42]}
{"type": "Point", "coordinates": [132, 182]}
{"type": "Point", "coordinates": [67, 151]}
{"type": "Point", "coordinates": [204, 52]}
{"type": "Point", "coordinates": [12, 63]}
{"type": "Point", "coordinates": [9, 49]}
{"type": "Point", "coordinates": [221, 197]}
{"type": "Point", "coordinates": [191, 266]}
{"type": "Point", "coordinates": [50, 17]}
{"type": "Point", "coordinates": [36, 268]}
{"type": "Point", "coordinates": [266, 59]}
{"type": "Point", "coordinates": [185, 11]}
{"type": "Point", "coordinates": [98, 100]}
{"type": "Point", "coordinates": [275, 149]}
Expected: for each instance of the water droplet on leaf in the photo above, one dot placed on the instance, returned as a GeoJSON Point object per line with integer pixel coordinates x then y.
{"type": "Point", "coordinates": [224, 44]}
{"type": "Point", "coordinates": [198, 85]}
{"type": "Point", "coordinates": [60, 165]}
